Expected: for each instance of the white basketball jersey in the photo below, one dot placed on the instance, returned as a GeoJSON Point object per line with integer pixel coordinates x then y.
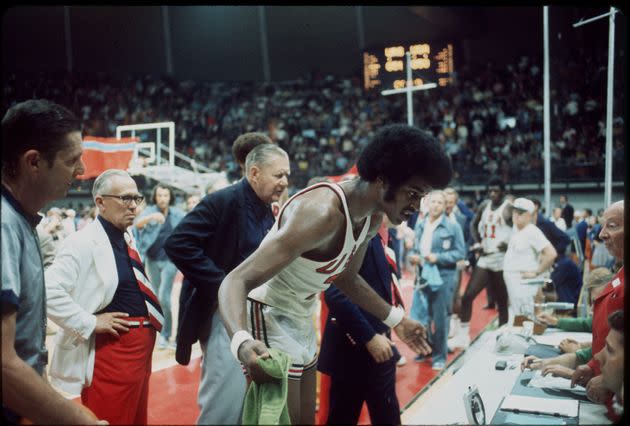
{"type": "Point", "coordinates": [296, 288]}
{"type": "Point", "coordinates": [493, 230]}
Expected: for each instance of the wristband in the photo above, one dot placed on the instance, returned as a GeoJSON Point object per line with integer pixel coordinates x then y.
{"type": "Point", "coordinates": [395, 316]}
{"type": "Point", "coordinates": [238, 339]}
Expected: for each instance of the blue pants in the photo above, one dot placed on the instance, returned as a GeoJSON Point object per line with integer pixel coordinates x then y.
{"type": "Point", "coordinates": [364, 381]}
{"type": "Point", "coordinates": [162, 273]}
{"type": "Point", "coordinates": [431, 308]}
{"type": "Point", "coordinates": [222, 386]}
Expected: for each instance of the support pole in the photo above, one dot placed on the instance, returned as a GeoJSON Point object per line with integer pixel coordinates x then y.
{"type": "Point", "coordinates": [546, 127]}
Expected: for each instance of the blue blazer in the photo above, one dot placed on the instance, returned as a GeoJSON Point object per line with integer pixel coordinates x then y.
{"type": "Point", "coordinates": [447, 244]}
{"type": "Point", "coordinates": [205, 247]}
{"type": "Point", "coordinates": [351, 322]}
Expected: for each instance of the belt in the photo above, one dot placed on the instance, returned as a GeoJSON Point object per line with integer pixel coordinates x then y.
{"type": "Point", "coordinates": [139, 324]}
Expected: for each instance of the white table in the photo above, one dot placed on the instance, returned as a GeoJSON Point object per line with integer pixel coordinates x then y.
{"type": "Point", "coordinates": [443, 402]}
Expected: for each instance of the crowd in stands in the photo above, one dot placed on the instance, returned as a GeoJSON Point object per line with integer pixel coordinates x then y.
{"type": "Point", "coordinates": [490, 120]}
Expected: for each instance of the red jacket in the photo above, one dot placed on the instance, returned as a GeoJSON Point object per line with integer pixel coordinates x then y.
{"type": "Point", "coordinates": [610, 300]}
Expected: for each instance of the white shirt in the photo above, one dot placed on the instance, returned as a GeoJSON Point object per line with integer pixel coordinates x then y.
{"type": "Point", "coordinates": [524, 248]}
{"type": "Point", "coordinates": [560, 223]}
{"type": "Point", "coordinates": [427, 236]}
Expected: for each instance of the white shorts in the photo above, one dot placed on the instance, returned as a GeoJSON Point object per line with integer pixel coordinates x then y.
{"type": "Point", "coordinates": [521, 296]}
{"type": "Point", "coordinates": [290, 334]}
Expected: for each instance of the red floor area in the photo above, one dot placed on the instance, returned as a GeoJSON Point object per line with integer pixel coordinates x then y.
{"type": "Point", "coordinates": [413, 376]}
{"type": "Point", "coordinates": [173, 391]}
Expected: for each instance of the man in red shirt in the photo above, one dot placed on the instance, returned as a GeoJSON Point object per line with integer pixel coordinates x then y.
{"type": "Point", "coordinates": [610, 300]}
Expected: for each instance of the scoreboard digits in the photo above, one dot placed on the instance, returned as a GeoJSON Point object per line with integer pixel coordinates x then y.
{"type": "Point", "coordinates": [430, 63]}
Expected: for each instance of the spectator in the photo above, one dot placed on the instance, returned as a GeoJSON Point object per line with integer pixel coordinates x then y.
{"type": "Point", "coordinates": [567, 211]}
{"type": "Point", "coordinates": [191, 201]}
{"type": "Point", "coordinates": [154, 226]}
{"type": "Point", "coordinates": [558, 220]}
{"type": "Point", "coordinates": [439, 245]}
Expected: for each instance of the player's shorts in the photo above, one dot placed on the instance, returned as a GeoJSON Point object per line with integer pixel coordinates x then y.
{"type": "Point", "coordinates": [293, 335]}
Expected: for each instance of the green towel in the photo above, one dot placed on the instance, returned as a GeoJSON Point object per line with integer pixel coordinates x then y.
{"type": "Point", "coordinates": [266, 404]}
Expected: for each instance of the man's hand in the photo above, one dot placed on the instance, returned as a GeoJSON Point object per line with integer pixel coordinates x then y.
{"type": "Point", "coordinates": [413, 334]}
{"type": "Point", "coordinates": [582, 375]}
{"type": "Point", "coordinates": [529, 274]}
{"type": "Point", "coordinates": [533, 363]}
{"type": "Point", "coordinates": [414, 259]}
{"type": "Point", "coordinates": [431, 258]}
{"type": "Point", "coordinates": [557, 370]}
{"type": "Point", "coordinates": [111, 322]}
{"type": "Point", "coordinates": [159, 217]}
{"type": "Point", "coordinates": [380, 347]}
{"type": "Point", "coordinates": [248, 353]}
{"type": "Point", "coordinates": [547, 319]}
{"type": "Point", "coordinates": [569, 345]}
{"type": "Point", "coordinates": [595, 390]}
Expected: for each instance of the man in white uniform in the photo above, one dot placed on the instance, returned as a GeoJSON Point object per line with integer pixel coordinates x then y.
{"type": "Point", "coordinates": [320, 237]}
{"type": "Point", "coordinates": [490, 228]}
{"type": "Point", "coordinates": [529, 255]}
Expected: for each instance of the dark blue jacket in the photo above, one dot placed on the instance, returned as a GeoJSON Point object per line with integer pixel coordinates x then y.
{"type": "Point", "coordinates": [567, 280]}
{"type": "Point", "coordinates": [556, 236]}
{"type": "Point", "coordinates": [337, 350]}
{"type": "Point", "coordinates": [205, 247]}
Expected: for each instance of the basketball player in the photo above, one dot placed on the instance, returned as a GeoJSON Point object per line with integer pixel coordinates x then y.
{"type": "Point", "coordinates": [320, 238]}
{"type": "Point", "coordinates": [491, 229]}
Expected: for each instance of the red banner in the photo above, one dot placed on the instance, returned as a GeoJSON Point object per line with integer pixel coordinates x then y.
{"type": "Point", "coordinates": [100, 154]}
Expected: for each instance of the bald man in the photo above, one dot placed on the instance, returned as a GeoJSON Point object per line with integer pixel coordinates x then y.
{"type": "Point", "coordinates": [610, 300]}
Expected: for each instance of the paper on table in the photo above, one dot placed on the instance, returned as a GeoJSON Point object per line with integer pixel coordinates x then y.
{"type": "Point", "coordinates": [554, 339]}
{"type": "Point", "coordinates": [531, 404]}
{"type": "Point", "coordinates": [550, 382]}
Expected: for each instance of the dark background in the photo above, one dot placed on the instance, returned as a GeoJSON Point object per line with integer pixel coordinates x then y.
{"type": "Point", "coordinates": [223, 42]}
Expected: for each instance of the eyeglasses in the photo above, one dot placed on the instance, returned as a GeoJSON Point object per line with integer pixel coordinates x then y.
{"type": "Point", "coordinates": [127, 199]}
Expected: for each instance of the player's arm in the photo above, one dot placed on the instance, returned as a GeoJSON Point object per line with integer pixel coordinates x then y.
{"type": "Point", "coordinates": [296, 236]}
{"type": "Point", "coordinates": [359, 291]}
{"type": "Point", "coordinates": [25, 392]}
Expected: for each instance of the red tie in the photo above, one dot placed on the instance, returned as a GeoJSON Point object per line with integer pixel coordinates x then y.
{"type": "Point", "coordinates": [156, 317]}
{"type": "Point", "coordinates": [397, 299]}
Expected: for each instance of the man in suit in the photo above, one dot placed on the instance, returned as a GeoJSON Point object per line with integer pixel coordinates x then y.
{"type": "Point", "coordinates": [41, 155]}
{"type": "Point", "coordinates": [153, 226]}
{"type": "Point", "coordinates": [355, 341]}
{"type": "Point", "coordinates": [98, 293]}
{"type": "Point", "coordinates": [214, 238]}
{"type": "Point", "coordinates": [567, 210]}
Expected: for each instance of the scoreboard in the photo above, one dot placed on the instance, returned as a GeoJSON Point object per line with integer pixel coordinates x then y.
{"type": "Point", "coordinates": [385, 68]}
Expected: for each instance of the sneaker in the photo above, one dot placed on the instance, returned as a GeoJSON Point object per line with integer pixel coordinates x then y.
{"type": "Point", "coordinates": [402, 361]}
{"type": "Point", "coordinates": [454, 326]}
{"type": "Point", "coordinates": [162, 343]}
{"type": "Point", "coordinates": [460, 340]}
{"type": "Point", "coordinates": [438, 366]}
